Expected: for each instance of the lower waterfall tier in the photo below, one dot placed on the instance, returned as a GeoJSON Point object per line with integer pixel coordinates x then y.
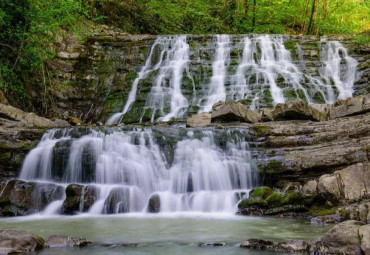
{"type": "Point", "coordinates": [115, 170]}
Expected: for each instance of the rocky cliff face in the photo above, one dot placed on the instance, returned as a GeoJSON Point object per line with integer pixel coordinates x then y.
{"type": "Point", "coordinates": [91, 79]}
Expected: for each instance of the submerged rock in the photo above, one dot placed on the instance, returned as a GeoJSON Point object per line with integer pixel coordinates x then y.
{"type": "Point", "coordinates": [72, 202]}
{"type": "Point", "coordinates": [257, 244]}
{"type": "Point", "coordinates": [17, 241]}
{"type": "Point", "coordinates": [292, 246]}
{"type": "Point", "coordinates": [62, 241]}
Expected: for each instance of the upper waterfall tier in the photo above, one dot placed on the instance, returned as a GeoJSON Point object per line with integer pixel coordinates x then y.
{"type": "Point", "coordinates": [186, 170]}
{"type": "Point", "coordinates": [182, 76]}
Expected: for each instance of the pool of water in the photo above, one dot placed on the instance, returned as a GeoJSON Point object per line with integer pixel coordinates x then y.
{"type": "Point", "coordinates": [173, 233]}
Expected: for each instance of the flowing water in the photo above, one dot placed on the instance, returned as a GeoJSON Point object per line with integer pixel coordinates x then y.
{"type": "Point", "coordinates": [184, 75]}
{"type": "Point", "coordinates": [181, 170]}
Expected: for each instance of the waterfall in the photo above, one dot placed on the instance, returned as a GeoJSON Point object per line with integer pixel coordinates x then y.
{"type": "Point", "coordinates": [184, 75]}
{"type": "Point", "coordinates": [186, 170]}
{"type": "Point", "coordinates": [217, 90]}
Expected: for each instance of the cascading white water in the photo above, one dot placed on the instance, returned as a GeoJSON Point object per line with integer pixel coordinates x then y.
{"type": "Point", "coordinates": [166, 93]}
{"type": "Point", "coordinates": [217, 91]}
{"type": "Point", "coordinates": [205, 171]}
{"type": "Point", "coordinates": [258, 69]}
{"type": "Point", "coordinates": [342, 74]}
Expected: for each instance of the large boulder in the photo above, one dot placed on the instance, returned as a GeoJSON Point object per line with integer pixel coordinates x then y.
{"type": "Point", "coordinates": [233, 111]}
{"type": "Point", "coordinates": [199, 120]}
{"type": "Point", "coordinates": [350, 183]}
{"type": "Point", "coordinates": [343, 238]}
{"type": "Point", "coordinates": [117, 201]}
{"type": "Point", "coordinates": [292, 246]}
{"type": "Point", "coordinates": [62, 241]}
{"type": "Point", "coordinates": [12, 113]}
{"type": "Point", "coordinates": [297, 110]}
{"type": "Point", "coordinates": [364, 233]}
{"type": "Point", "coordinates": [22, 198]}
{"type": "Point", "coordinates": [350, 107]}
{"type": "Point", "coordinates": [14, 241]}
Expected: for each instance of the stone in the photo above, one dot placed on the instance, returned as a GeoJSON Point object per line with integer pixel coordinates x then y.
{"type": "Point", "coordinates": [324, 108]}
{"type": "Point", "coordinates": [350, 107]}
{"type": "Point", "coordinates": [364, 233]}
{"type": "Point", "coordinates": [19, 240]}
{"type": "Point", "coordinates": [297, 110]}
{"type": "Point", "coordinates": [3, 99]}
{"type": "Point", "coordinates": [61, 123]}
{"type": "Point", "coordinates": [257, 244]}
{"type": "Point", "coordinates": [343, 238]}
{"type": "Point", "coordinates": [354, 181]}
{"type": "Point", "coordinates": [74, 120]}
{"type": "Point", "coordinates": [62, 241]}
{"type": "Point", "coordinates": [12, 113]}
{"type": "Point", "coordinates": [68, 55]}
{"type": "Point", "coordinates": [309, 188]}
{"type": "Point", "coordinates": [199, 120]}
{"type": "Point", "coordinates": [154, 205]}
{"type": "Point", "coordinates": [117, 201]}
{"type": "Point", "coordinates": [233, 111]}
{"type": "Point", "coordinates": [328, 184]}
{"type": "Point", "coordinates": [71, 204]}
{"type": "Point", "coordinates": [267, 114]}
{"type": "Point", "coordinates": [293, 246]}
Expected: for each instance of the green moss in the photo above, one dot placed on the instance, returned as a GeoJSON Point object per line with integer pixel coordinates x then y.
{"type": "Point", "coordinates": [365, 148]}
{"type": "Point", "coordinates": [293, 198]}
{"type": "Point", "coordinates": [246, 203]}
{"type": "Point", "coordinates": [344, 213]}
{"type": "Point", "coordinates": [319, 98]}
{"type": "Point", "coordinates": [261, 130]}
{"type": "Point", "coordinates": [272, 167]}
{"type": "Point", "coordinates": [219, 127]}
{"type": "Point", "coordinates": [291, 45]}
{"type": "Point", "coordinates": [322, 211]}
{"type": "Point", "coordinates": [275, 199]}
{"type": "Point", "coordinates": [290, 94]}
{"type": "Point", "coordinates": [262, 192]}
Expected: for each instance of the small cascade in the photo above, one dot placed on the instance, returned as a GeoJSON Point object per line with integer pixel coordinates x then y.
{"type": "Point", "coordinates": [121, 170]}
{"type": "Point", "coordinates": [340, 70]}
{"type": "Point", "coordinates": [166, 92]}
{"type": "Point", "coordinates": [217, 91]}
{"type": "Point", "coordinates": [184, 75]}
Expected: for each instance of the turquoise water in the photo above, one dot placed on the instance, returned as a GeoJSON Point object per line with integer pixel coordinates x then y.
{"type": "Point", "coordinates": [165, 234]}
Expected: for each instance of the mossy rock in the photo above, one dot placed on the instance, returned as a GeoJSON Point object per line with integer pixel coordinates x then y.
{"type": "Point", "coordinates": [261, 192]}
{"type": "Point", "coordinates": [248, 203]}
{"type": "Point", "coordinates": [271, 167]}
{"type": "Point", "coordinates": [261, 130]}
{"type": "Point", "coordinates": [275, 199]}
{"type": "Point", "coordinates": [290, 94]}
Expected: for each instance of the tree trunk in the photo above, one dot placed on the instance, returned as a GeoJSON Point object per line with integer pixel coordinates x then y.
{"type": "Point", "coordinates": [310, 25]}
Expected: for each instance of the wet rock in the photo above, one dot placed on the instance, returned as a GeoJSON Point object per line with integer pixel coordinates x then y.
{"type": "Point", "coordinates": [89, 197]}
{"type": "Point", "coordinates": [19, 241]}
{"type": "Point", "coordinates": [327, 219]}
{"type": "Point", "coordinates": [343, 238]}
{"type": "Point", "coordinates": [285, 208]}
{"type": "Point", "coordinates": [257, 244]}
{"type": "Point", "coordinates": [71, 204]}
{"type": "Point", "coordinates": [233, 111]}
{"type": "Point", "coordinates": [74, 120]}
{"type": "Point", "coordinates": [292, 246]}
{"type": "Point", "coordinates": [199, 120]}
{"type": "Point", "coordinates": [154, 205]}
{"type": "Point", "coordinates": [215, 244]}
{"type": "Point", "coordinates": [117, 201]}
{"type": "Point", "coordinates": [22, 198]}
{"type": "Point", "coordinates": [359, 211]}
{"type": "Point", "coordinates": [62, 241]}
{"type": "Point", "coordinates": [297, 110]}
